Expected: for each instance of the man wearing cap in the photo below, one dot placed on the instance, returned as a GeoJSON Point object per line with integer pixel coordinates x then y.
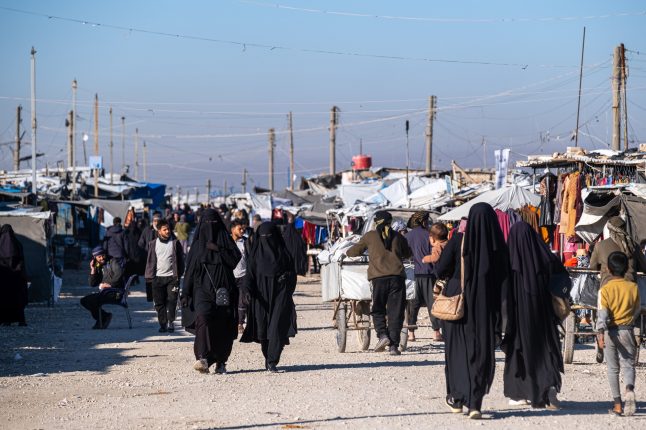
{"type": "Point", "coordinates": [386, 249]}
{"type": "Point", "coordinates": [107, 274]}
{"type": "Point", "coordinates": [147, 237]}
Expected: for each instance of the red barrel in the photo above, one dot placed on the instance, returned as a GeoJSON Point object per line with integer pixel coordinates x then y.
{"type": "Point", "coordinates": [361, 162]}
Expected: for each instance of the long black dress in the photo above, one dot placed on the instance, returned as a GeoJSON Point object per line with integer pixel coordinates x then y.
{"type": "Point", "coordinates": [13, 278]}
{"type": "Point", "coordinates": [210, 264]}
{"type": "Point", "coordinates": [296, 247]}
{"type": "Point", "coordinates": [533, 361]}
{"type": "Point", "coordinates": [270, 282]}
{"type": "Point", "coordinates": [470, 342]}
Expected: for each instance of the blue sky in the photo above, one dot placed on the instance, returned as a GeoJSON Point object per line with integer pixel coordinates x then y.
{"type": "Point", "coordinates": [502, 71]}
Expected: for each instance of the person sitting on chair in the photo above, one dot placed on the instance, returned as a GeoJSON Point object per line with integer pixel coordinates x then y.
{"type": "Point", "coordinates": [107, 274]}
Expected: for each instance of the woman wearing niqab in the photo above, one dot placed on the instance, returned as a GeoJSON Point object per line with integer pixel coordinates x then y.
{"type": "Point", "coordinates": [210, 263]}
{"type": "Point", "coordinates": [270, 284]}
{"type": "Point", "coordinates": [295, 246]}
{"type": "Point", "coordinates": [471, 341]}
{"type": "Point", "coordinates": [13, 278]}
{"type": "Point", "coordinates": [533, 360]}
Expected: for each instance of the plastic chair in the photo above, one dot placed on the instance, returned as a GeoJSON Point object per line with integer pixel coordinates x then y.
{"type": "Point", "coordinates": [123, 303]}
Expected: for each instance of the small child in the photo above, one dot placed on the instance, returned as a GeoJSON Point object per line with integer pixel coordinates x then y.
{"type": "Point", "coordinates": [619, 307]}
{"type": "Point", "coordinates": [438, 237]}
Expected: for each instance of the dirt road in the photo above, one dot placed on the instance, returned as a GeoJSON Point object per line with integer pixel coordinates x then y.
{"type": "Point", "coordinates": [58, 374]}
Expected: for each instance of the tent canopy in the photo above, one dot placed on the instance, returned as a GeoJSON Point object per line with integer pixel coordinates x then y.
{"type": "Point", "coordinates": [511, 197]}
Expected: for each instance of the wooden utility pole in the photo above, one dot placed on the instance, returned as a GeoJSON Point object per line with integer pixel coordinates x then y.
{"type": "Point", "coordinates": [272, 144]}
{"type": "Point", "coordinates": [484, 153]}
{"type": "Point", "coordinates": [136, 154]}
{"type": "Point", "coordinates": [123, 144]}
{"type": "Point", "coordinates": [429, 134]}
{"type": "Point", "coordinates": [225, 190]}
{"type": "Point", "coordinates": [70, 139]}
{"type": "Point", "coordinates": [111, 151]}
{"type": "Point", "coordinates": [578, 107]}
{"type": "Point", "coordinates": [333, 124]}
{"type": "Point", "coordinates": [16, 150]}
{"type": "Point", "coordinates": [96, 143]}
{"type": "Point", "coordinates": [34, 184]}
{"type": "Point", "coordinates": [74, 88]}
{"type": "Point", "coordinates": [624, 76]}
{"type": "Point", "coordinates": [291, 154]}
{"type": "Point", "coordinates": [244, 181]}
{"type": "Point", "coordinates": [616, 96]}
{"type": "Point", "coordinates": [145, 163]}
{"type": "Point", "coordinates": [208, 191]}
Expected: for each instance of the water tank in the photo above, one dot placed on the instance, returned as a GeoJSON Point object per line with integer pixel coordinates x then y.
{"type": "Point", "coordinates": [361, 162]}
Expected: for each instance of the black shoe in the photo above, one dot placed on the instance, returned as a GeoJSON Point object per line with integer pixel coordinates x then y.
{"type": "Point", "coordinates": [171, 328]}
{"type": "Point", "coordinates": [455, 407]}
{"type": "Point", "coordinates": [96, 326]}
{"type": "Point", "coordinates": [271, 368]}
{"type": "Point", "coordinates": [394, 350]}
{"type": "Point", "coordinates": [220, 369]}
{"type": "Point", "coordinates": [163, 329]}
{"type": "Point", "coordinates": [106, 321]}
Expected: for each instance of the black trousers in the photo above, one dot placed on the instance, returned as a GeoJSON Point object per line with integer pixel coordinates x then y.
{"type": "Point", "coordinates": [165, 290]}
{"type": "Point", "coordinates": [271, 349]}
{"type": "Point", "coordinates": [389, 299]}
{"type": "Point", "coordinates": [242, 308]}
{"type": "Point", "coordinates": [212, 341]}
{"type": "Point", "coordinates": [92, 302]}
{"type": "Point", "coordinates": [423, 297]}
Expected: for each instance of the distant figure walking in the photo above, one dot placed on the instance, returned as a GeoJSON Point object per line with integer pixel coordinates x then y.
{"type": "Point", "coordinates": [471, 341]}
{"type": "Point", "coordinates": [208, 311]}
{"type": "Point", "coordinates": [269, 285]}
{"type": "Point", "coordinates": [13, 277]}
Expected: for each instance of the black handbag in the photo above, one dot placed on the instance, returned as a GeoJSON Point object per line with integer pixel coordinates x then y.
{"type": "Point", "coordinates": [222, 296]}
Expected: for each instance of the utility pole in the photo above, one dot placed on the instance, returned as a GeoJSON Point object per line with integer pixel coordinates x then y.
{"type": "Point", "coordinates": [208, 191]}
{"type": "Point", "coordinates": [96, 143]}
{"type": "Point", "coordinates": [578, 107]}
{"type": "Point", "coordinates": [291, 154]}
{"type": "Point", "coordinates": [70, 139]}
{"type": "Point", "coordinates": [123, 144]}
{"type": "Point", "coordinates": [333, 125]}
{"type": "Point", "coordinates": [624, 76]}
{"type": "Point", "coordinates": [225, 190]}
{"type": "Point", "coordinates": [145, 163]}
{"type": "Point", "coordinates": [136, 154]}
{"type": "Point", "coordinates": [429, 134]}
{"type": "Point", "coordinates": [244, 181]}
{"type": "Point", "coordinates": [407, 161]}
{"type": "Point", "coordinates": [616, 92]}
{"type": "Point", "coordinates": [484, 153]}
{"type": "Point", "coordinates": [111, 146]}
{"type": "Point", "coordinates": [34, 184]}
{"type": "Point", "coordinates": [74, 88]}
{"type": "Point", "coordinates": [272, 144]}
{"type": "Point", "coordinates": [16, 150]}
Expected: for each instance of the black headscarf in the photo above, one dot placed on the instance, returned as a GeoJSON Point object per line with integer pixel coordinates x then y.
{"type": "Point", "coordinates": [268, 252]}
{"type": "Point", "coordinates": [11, 252]}
{"type": "Point", "coordinates": [382, 222]}
{"type": "Point", "coordinates": [296, 248]}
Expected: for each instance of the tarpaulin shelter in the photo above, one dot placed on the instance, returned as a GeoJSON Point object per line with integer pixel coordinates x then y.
{"type": "Point", "coordinates": [33, 231]}
{"type": "Point", "coordinates": [154, 192]}
{"type": "Point", "coordinates": [511, 197]}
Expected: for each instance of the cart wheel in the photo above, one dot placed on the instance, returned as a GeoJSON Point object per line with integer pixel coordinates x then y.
{"type": "Point", "coordinates": [363, 336]}
{"type": "Point", "coordinates": [341, 327]}
{"type": "Point", "coordinates": [403, 341]}
{"type": "Point", "coordinates": [568, 340]}
{"type": "Point", "coordinates": [598, 352]}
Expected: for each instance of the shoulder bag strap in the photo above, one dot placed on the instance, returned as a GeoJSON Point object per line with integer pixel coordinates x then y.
{"type": "Point", "coordinates": [462, 266]}
{"type": "Point", "coordinates": [209, 275]}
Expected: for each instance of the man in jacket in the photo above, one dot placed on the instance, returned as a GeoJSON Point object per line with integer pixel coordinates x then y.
{"type": "Point", "coordinates": [148, 235]}
{"type": "Point", "coordinates": [386, 249]}
{"type": "Point", "coordinates": [164, 267]}
{"type": "Point", "coordinates": [107, 274]}
{"type": "Point", "coordinates": [115, 243]}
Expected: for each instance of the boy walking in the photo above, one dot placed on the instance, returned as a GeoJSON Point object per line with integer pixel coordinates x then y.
{"type": "Point", "coordinates": [618, 308]}
{"type": "Point", "coordinates": [164, 268]}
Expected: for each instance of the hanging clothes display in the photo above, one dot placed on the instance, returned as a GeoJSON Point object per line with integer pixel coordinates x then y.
{"type": "Point", "coordinates": [548, 194]}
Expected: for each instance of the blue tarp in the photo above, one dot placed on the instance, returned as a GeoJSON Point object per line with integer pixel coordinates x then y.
{"type": "Point", "coordinates": [155, 192]}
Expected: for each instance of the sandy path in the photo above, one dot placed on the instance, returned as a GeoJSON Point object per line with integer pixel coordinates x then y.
{"type": "Point", "coordinates": [71, 377]}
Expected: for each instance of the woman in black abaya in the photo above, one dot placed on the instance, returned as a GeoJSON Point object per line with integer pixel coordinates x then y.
{"type": "Point", "coordinates": [209, 266]}
{"type": "Point", "coordinates": [270, 283]}
{"type": "Point", "coordinates": [13, 278]}
{"type": "Point", "coordinates": [295, 246]}
{"type": "Point", "coordinates": [470, 342]}
{"type": "Point", "coordinates": [533, 362]}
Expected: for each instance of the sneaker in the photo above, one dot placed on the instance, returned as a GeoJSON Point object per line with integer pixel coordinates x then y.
{"type": "Point", "coordinates": [271, 368]}
{"type": "Point", "coordinates": [163, 329]}
{"type": "Point", "coordinates": [554, 403]}
{"type": "Point", "coordinates": [170, 328]}
{"type": "Point", "coordinates": [201, 365]}
{"type": "Point", "coordinates": [455, 407]}
{"type": "Point", "coordinates": [394, 350]}
{"type": "Point", "coordinates": [382, 343]}
{"type": "Point", "coordinates": [475, 414]}
{"type": "Point", "coordinates": [220, 369]}
{"type": "Point", "coordinates": [630, 404]}
{"type": "Point", "coordinates": [106, 321]}
{"type": "Point", "coordinates": [519, 402]}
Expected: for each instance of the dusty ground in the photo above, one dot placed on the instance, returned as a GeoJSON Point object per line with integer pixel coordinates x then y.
{"type": "Point", "coordinates": [57, 373]}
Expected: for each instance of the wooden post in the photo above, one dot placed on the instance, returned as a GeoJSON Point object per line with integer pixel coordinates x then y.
{"type": "Point", "coordinates": [96, 143]}
{"type": "Point", "coordinates": [333, 125]}
{"type": "Point", "coordinates": [111, 146]}
{"type": "Point", "coordinates": [616, 91]}
{"type": "Point", "coordinates": [272, 144]}
{"type": "Point", "coordinates": [123, 145]}
{"type": "Point", "coordinates": [244, 181]}
{"type": "Point", "coordinates": [16, 150]}
{"type": "Point", "coordinates": [145, 163]}
{"type": "Point", "coordinates": [291, 154]}
{"type": "Point", "coordinates": [136, 154]}
{"type": "Point", "coordinates": [429, 135]}
{"type": "Point", "coordinates": [208, 191]}
{"type": "Point", "coordinates": [70, 139]}
{"type": "Point", "coordinates": [624, 76]}
{"type": "Point", "coordinates": [578, 107]}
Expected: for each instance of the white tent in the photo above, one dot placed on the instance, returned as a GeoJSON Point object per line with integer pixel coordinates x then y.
{"type": "Point", "coordinates": [511, 197]}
